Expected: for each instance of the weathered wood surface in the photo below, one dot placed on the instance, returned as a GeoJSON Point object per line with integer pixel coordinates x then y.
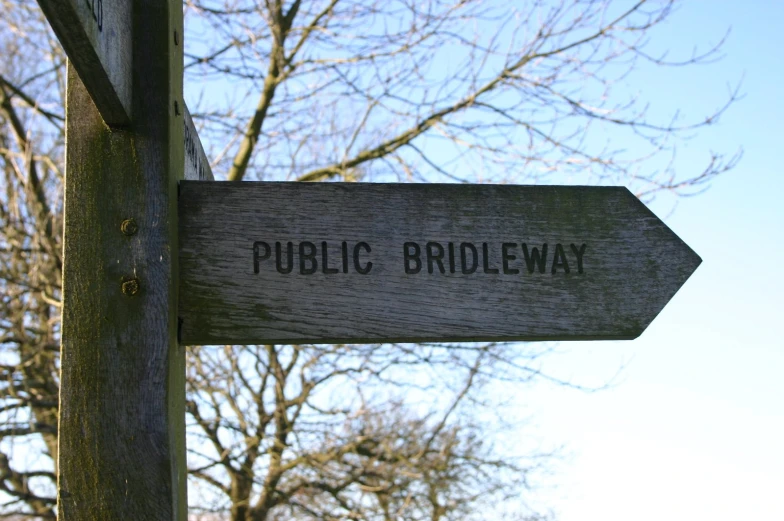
{"type": "Point", "coordinates": [197, 166]}
{"type": "Point", "coordinates": [122, 418]}
{"type": "Point", "coordinates": [96, 36]}
{"type": "Point", "coordinates": [609, 268]}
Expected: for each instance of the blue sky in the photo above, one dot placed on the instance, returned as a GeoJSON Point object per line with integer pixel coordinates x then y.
{"type": "Point", "coordinates": [693, 426]}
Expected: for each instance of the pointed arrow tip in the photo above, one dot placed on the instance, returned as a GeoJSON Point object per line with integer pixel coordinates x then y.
{"type": "Point", "coordinates": [672, 261]}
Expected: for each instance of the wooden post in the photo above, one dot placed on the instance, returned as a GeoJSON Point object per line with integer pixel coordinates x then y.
{"type": "Point", "coordinates": [121, 432]}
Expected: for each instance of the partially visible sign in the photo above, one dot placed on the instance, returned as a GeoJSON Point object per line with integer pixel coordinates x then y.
{"type": "Point", "coordinates": [334, 262]}
{"type": "Point", "coordinates": [197, 167]}
{"type": "Point", "coordinates": [96, 36]}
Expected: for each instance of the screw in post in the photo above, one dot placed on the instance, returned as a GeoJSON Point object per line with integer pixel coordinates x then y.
{"type": "Point", "coordinates": [129, 227]}
{"type": "Point", "coordinates": [131, 287]}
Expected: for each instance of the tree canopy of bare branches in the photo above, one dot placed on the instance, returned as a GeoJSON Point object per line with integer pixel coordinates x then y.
{"type": "Point", "coordinates": [344, 90]}
{"type": "Point", "coordinates": [440, 91]}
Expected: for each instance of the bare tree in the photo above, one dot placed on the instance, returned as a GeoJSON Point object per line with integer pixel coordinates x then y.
{"type": "Point", "coordinates": [30, 261]}
{"type": "Point", "coordinates": [438, 91]}
{"type": "Point", "coordinates": [376, 432]}
{"type": "Point", "coordinates": [407, 91]}
{"type": "Point", "coordinates": [340, 90]}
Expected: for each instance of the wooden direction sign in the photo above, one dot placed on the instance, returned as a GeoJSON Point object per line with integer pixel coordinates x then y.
{"type": "Point", "coordinates": [294, 263]}
{"type": "Point", "coordinates": [96, 36]}
{"type": "Point", "coordinates": [197, 166]}
{"type": "Point", "coordinates": [285, 262]}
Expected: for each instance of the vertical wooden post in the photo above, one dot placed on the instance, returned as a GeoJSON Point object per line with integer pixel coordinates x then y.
{"type": "Point", "coordinates": [121, 432]}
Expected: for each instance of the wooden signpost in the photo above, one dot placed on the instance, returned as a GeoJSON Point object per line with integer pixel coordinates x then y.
{"type": "Point", "coordinates": [284, 262]}
{"type": "Point", "coordinates": [294, 263]}
{"type": "Point", "coordinates": [197, 166]}
{"type": "Point", "coordinates": [122, 396]}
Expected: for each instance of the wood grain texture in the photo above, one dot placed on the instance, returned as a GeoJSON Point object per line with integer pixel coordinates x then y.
{"type": "Point", "coordinates": [97, 37]}
{"type": "Point", "coordinates": [623, 263]}
{"type": "Point", "coordinates": [121, 430]}
{"type": "Point", "coordinates": [197, 166]}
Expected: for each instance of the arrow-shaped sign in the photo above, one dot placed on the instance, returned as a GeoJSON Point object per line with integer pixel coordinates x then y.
{"type": "Point", "coordinates": [334, 262]}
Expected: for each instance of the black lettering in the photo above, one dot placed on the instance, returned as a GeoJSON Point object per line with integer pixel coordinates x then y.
{"type": "Point", "coordinates": [325, 262]}
{"type": "Point", "coordinates": [559, 259]}
{"type": "Point", "coordinates": [307, 256]}
{"type": "Point", "coordinates": [533, 260]}
{"type": "Point", "coordinates": [579, 254]}
{"type": "Point", "coordinates": [289, 258]}
{"type": "Point", "coordinates": [409, 256]}
{"type": "Point", "coordinates": [486, 260]}
{"type": "Point", "coordinates": [451, 257]}
{"type": "Point", "coordinates": [366, 269]}
{"type": "Point", "coordinates": [474, 258]}
{"type": "Point", "coordinates": [506, 257]}
{"type": "Point", "coordinates": [96, 9]}
{"type": "Point", "coordinates": [188, 145]}
{"type": "Point", "coordinates": [258, 258]}
{"type": "Point", "coordinates": [344, 251]}
{"type": "Point", "coordinates": [431, 256]}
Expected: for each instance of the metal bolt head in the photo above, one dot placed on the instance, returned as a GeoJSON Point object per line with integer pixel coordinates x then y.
{"type": "Point", "coordinates": [129, 227]}
{"type": "Point", "coordinates": [131, 287]}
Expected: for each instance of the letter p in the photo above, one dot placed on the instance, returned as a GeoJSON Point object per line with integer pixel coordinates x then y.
{"type": "Point", "coordinates": [258, 256]}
